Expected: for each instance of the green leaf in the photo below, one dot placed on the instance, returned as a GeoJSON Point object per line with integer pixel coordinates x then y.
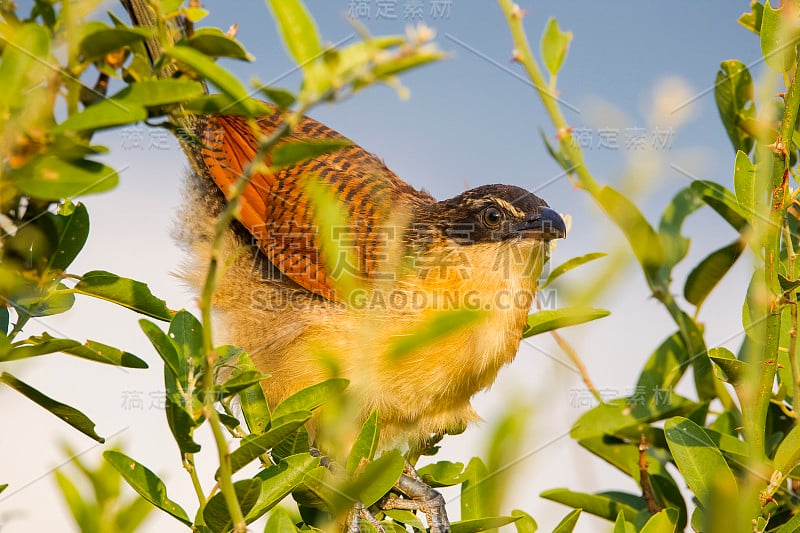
{"type": "Point", "coordinates": [163, 346]}
{"type": "Point", "coordinates": [377, 478]}
{"type": "Point", "coordinates": [52, 178]}
{"type": "Point", "coordinates": [214, 42]}
{"type": "Point", "coordinates": [91, 350]}
{"type": "Point", "coordinates": [778, 38]}
{"type": "Point", "coordinates": [752, 20]}
{"type": "Point", "coordinates": [744, 183]}
{"type": "Point", "coordinates": [36, 346]}
{"type": "Point", "coordinates": [474, 495]}
{"type": "Point", "coordinates": [555, 45]}
{"type": "Point", "coordinates": [442, 474]}
{"type": "Point", "coordinates": [252, 400]}
{"type": "Point", "coordinates": [3, 486]}
{"type": "Point", "coordinates": [221, 78]}
{"type": "Point", "coordinates": [311, 397]}
{"type": "Point", "coordinates": [146, 483]}
{"type": "Point", "coordinates": [186, 333]}
{"type": "Point", "coordinates": [622, 526]}
{"type": "Point", "coordinates": [216, 513]}
{"type": "Point", "coordinates": [298, 30]}
{"type": "Point", "coordinates": [735, 370]}
{"type": "Point", "coordinates": [255, 445]}
{"type": "Point", "coordinates": [290, 153]}
{"type": "Point", "coordinates": [181, 424]}
{"type": "Point", "coordinates": [280, 97]}
{"type": "Point", "coordinates": [296, 443]}
{"type": "Point", "coordinates": [664, 521]}
{"type": "Point", "coordinates": [278, 481]}
{"type": "Point", "coordinates": [406, 517]}
{"type": "Point", "coordinates": [438, 325]}
{"type": "Point", "coordinates": [69, 234]}
{"type": "Point", "coordinates": [240, 381]}
{"type": "Point", "coordinates": [280, 522]}
{"type": "Point", "coordinates": [126, 292]}
{"type": "Point", "coordinates": [568, 265]}
{"type": "Point", "coordinates": [722, 201]}
{"type": "Point", "coordinates": [68, 414]}
{"type": "Point", "coordinates": [23, 63]}
{"type": "Point", "coordinates": [108, 113]}
{"type": "Point", "coordinates": [733, 92]}
{"type": "Point", "coordinates": [482, 524]}
{"type": "Point", "coordinates": [366, 443]}
{"type": "Point", "coordinates": [790, 526]}
{"type": "Point", "coordinates": [706, 275]}
{"type": "Point", "coordinates": [603, 505]}
{"type": "Point", "coordinates": [698, 459]}
{"type": "Point", "coordinates": [621, 418]}
{"type": "Point", "coordinates": [98, 43]}
{"type": "Point", "coordinates": [224, 104]}
{"type": "Point", "coordinates": [684, 203]}
{"type": "Point", "coordinates": [640, 234]}
{"type": "Point", "coordinates": [787, 456]}
{"type": "Point", "coordinates": [525, 522]}
{"type": "Point", "coordinates": [4, 320]}
{"type": "Point", "coordinates": [550, 319]}
{"type": "Point", "coordinates": [665, 366]}
{"type": "Point", "coordinates": [568, 523]}
{"type": "Point", "coordinates": [558, 155]}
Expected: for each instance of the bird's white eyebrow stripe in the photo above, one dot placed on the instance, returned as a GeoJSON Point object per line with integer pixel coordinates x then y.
{"type": "Point", "coordinates": [509, 207]}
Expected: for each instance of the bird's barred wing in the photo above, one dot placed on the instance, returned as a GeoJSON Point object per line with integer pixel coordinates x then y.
{"type": "Point", "coordinates": [278, 210]}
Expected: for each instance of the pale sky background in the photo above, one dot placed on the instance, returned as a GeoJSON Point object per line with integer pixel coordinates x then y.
{"type": "Point", "coordinates": [471, 120]}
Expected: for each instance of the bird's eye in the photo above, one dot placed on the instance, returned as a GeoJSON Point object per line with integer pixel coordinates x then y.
{"type": "Point", "coordinates": [492, 217]}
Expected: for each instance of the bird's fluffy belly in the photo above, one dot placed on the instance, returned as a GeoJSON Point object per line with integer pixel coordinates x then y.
{"type": "Point", "coordinates": [300, 339]}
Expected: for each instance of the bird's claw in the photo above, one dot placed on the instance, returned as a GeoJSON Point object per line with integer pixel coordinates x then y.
{"type": "Point", "coordinates": [421, 497]}
{"type": "Point", "coordinates": [358, 513]}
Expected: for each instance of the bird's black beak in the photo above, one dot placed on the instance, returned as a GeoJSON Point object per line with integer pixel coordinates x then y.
{"type": "Point", "coordinates": [544, 225]}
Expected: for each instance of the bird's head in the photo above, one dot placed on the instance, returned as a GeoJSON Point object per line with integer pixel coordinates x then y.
{"type": "Point", "coordinates": [489, 214]}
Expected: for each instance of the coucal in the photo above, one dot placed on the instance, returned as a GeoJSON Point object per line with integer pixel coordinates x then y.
{"type": "Point", "coordinates": [337, 267]}
{"type": "Point", "coordinates": [399, 262]}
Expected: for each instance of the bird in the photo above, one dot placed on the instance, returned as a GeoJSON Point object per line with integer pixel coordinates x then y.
{"type": "Point", "coordinates": [336, 267]}
{"type": "Point", "coordinates": [412, 260]}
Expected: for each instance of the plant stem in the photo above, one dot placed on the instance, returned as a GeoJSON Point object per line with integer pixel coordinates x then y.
{"type": "Point", "coordinates": [767, 364]}
{"type": "Point", "coordinates": [188, 465]}
{"type": "Point", "coordinates": [793, 363]}
{"type": "Point", "coordinates": [573, 153]}
{"type": "Point", "coordinates": [22, 319]}
{"type": "Point", "coordinates": [220, 230]}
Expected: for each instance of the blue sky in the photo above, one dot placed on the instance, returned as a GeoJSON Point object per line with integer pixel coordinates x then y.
{"type": "Point", "coordinates": [472, 119]}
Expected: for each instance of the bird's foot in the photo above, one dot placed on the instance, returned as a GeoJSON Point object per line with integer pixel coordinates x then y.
{"type": "Point", "coordinates": [420, 497]}
{"type": "Point", "coordinates": [358, 513]}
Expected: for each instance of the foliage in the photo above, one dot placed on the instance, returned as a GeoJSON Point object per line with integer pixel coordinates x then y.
{"type": "Point", "coordinates": [740, 461]}
{"type": "Point", "coordinates": [747, 451]}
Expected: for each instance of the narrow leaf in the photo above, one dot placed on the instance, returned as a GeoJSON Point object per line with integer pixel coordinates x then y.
{"type": "Point", "coordinates": [214, 42]}
{"type": "Point", "coordinates": [482, 524]}
{"type": "Point", "coordinates": [311, 397]}
{"type": "Point", "coordinates": [298, 30]}
{"type": "Point", "coordinates": [555, 44]}
{"type": "Point", "coordinates": [706, 275]}
{"type": "Point", "coordinates": [52, 178]}
{"type": "Point", "coordinates": [733, 92]}
{"type": "Point", "coordinates": [778, 38]}
{"type": "Point", "coordinates": [568, 265]}
{"type": "Point", "coordinates": [366, 443]}
{"type": "Point", "coordinates": [603, 505]}
{"type": "Point", "coordinates": [568, 523]}
{"type": "Point", "coordinates": [68, 414]}
{"type": "Point", "coordinates": [722, 201]}
{"type": "Point", "coordinates": [291, 153]}
{"type": "Point", "coordinates": [698, 459]}
{"type": "Point", "coordinates": [254, 446]}
{"type": "Point", "coordinates": [146, 483]}
{"type": "Point", "coordinates": [252, 400]}
{"type": "Point", "coordinates": [216, 513]}
{"type": "Point", "coordinates": [278, 481]}
{"type": "Point", "coordinates": [126, 292]}
{"type": "Point", "coordinates": [744, 183]}
{"type": "Point", "coordinates": [550, 319]}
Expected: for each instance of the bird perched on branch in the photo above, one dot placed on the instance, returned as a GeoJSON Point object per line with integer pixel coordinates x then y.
{"type": "Point", "coordinates": [308, 299]}
{"type": "Point", "coordinates": [337, 267]}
